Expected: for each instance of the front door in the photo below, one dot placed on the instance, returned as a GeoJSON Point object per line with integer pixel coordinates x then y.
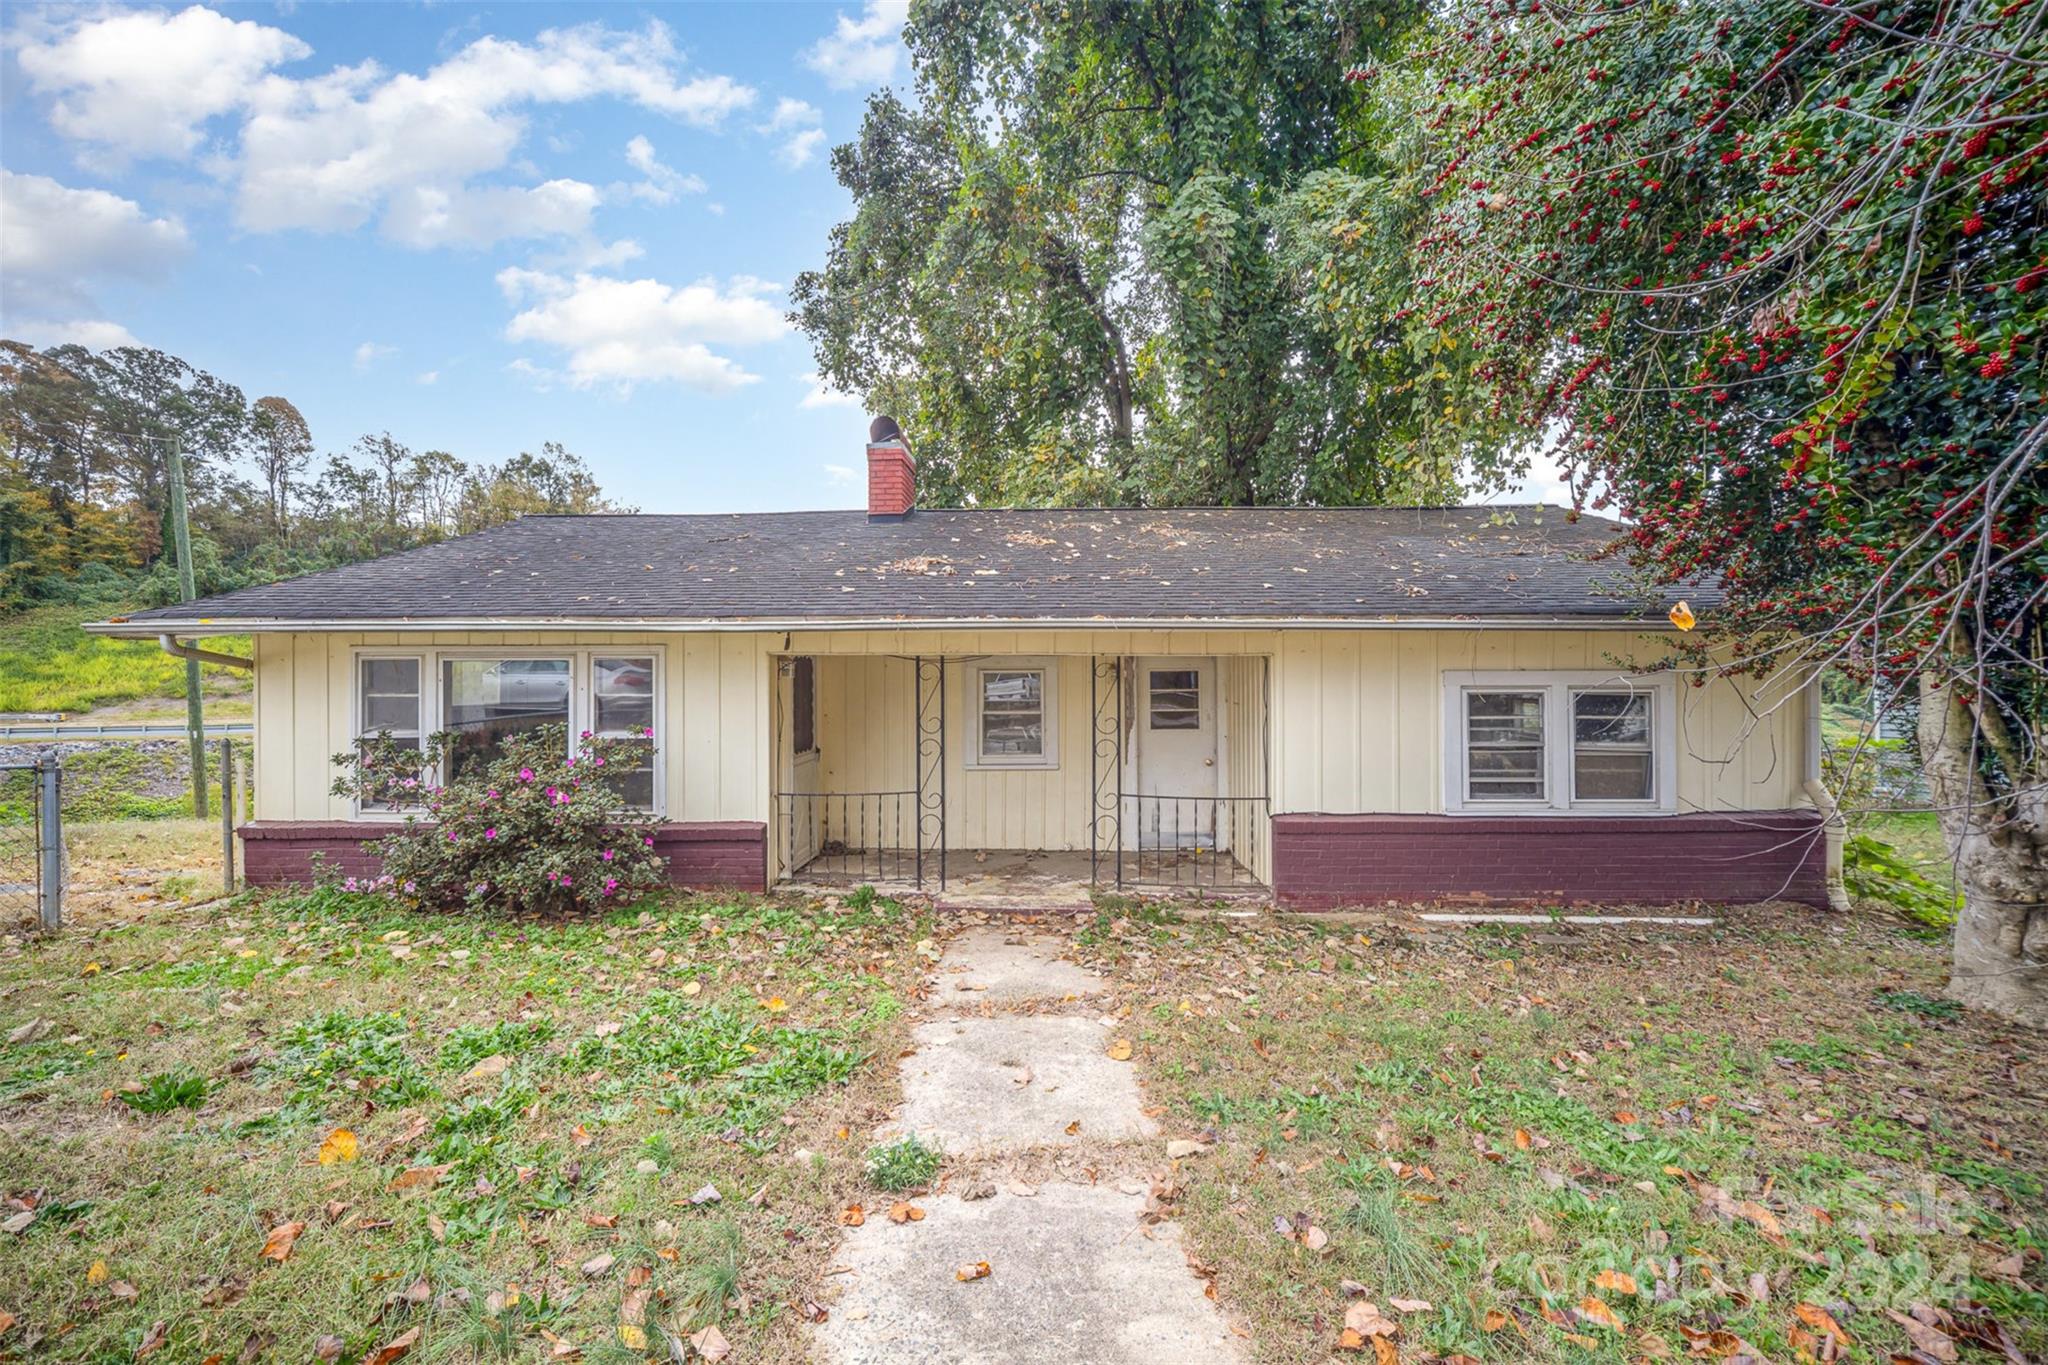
{"type": "Point", "coordinates": [1176, 753]}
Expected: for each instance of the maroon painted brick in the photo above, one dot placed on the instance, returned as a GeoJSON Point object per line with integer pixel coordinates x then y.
{"type": "Point", "coordinates": [1323, 861]}
{"type": "Point", "coordinates": [700, 853]}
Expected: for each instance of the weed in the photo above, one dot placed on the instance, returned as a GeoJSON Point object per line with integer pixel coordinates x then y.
{"type": "Point", "coordinates": [365, 1052]}
{"type": "Point", "coordinates": [167, 1090]}
{"type": "Point", "coordinates": [464, 1047]}
{"type": "Point", "coordinates": [861, 898]}
{"type": "Point", "coordinates": [1926, 1006]}
{"type": "Point", "coordinates": [904, 1164]}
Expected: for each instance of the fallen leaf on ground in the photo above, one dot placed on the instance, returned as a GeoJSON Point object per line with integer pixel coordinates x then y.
{"type": "Point", "coordinates": [96, 1273]}
{"type": "Point", "coordinates": [1367, 1320]}
{"type": "Point", "coordinates": [493, 1065]}
{"type": "Point", "coordinates": [1593, 1310]}
{"type": "Point", "coordinates": [852, 1216]}
{"type": "Point", "coordinates": [633, 1336]}
{"type": "Point", "coordinates": [1120, 1050]}
{"type": "Point", "coordinates": [1494, 1320]}
{"type": "Point", "coordinates": [278, 1245]}
{"type": "Point", "coordinates": [418, 1177]}
{"type": "Point", "coordinates": [711, 1344]}
{"type": "Point", "coordinates": [906, 1213]}
{"type": "Point", "coordinates": [328, 1347]}
{"type": "Point", "coordinates": [153, 1338]}
{"type": "Point", "coordinates": [393, 1349]}
{"type": "Point", "coordinates": [598, 1264]}
{"type": "Point", "coordinates": [1927, 1339]}
{"type": "Point", "coordinates": [1412, 1305]}
{"type": "Point", "coordinates": [973, 1270]}
{"type": "Point", "coordinates": [1820, 1320]}
{"type": "Point", "coordinates": [337, 1146]}
{"type": "Point", "coordinates": [1618, 1281]}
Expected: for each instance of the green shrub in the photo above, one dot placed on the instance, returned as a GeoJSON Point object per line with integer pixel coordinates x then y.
{"type": "Point", "coordinates": [529, 827]}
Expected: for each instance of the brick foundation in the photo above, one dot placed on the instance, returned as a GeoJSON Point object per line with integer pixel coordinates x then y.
{"type": "Point", "coordinates": [702, 853]}
{"type": "Point", "coordinates": [1324, 861]}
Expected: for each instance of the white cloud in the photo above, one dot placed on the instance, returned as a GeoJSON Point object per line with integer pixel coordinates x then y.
{"type": "Point", "coordinates": [799, 150]}
{"type": "Point", "coordinates": [427, 377]}
{"type": "Point", "coordinates": [663, 183]}
{"type": "Point", "coordinates": [143, 82]}
{"type": "Point", "coordinates": [92, 333]}
{"type": "Point", "coordinates": [823, 395]}
{"type": "Point", "coordinates": [370, 352]}
{"type": "Point", "coordinates": [840, 475]}
{"type": "Point", "coordinates": [625, 332]}
{"type": "Point", "coordinates": [861, 51]}
{"type": "Point", "coordinates": [415, 153]}
{"type": "Point", "coordinates": [791, 113]}
{"type": "Point", "coordinates": [58, 240]}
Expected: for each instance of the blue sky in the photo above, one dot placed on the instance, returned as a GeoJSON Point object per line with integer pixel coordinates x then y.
{"type": "Point", "coordinates": [481, 227]}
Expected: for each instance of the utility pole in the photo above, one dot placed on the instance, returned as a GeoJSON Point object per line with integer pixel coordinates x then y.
{"type": "Point", "coordinates": [181, 535]}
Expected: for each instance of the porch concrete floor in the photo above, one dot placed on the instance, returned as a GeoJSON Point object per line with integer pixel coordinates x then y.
{"type": "Point", "coordinates": [1041, 880]}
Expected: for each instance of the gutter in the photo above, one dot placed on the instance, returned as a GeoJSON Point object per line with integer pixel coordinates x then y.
{"type": "Point", "coordinates": [169, 644]}
{"type": "Point", "coordinates": [1835, 827]}
{"type": "Point", "coordinates": [165, 629]}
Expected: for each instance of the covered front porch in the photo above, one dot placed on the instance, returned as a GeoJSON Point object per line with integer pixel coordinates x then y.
{"type": "Point", "coordinates": [987, 778]}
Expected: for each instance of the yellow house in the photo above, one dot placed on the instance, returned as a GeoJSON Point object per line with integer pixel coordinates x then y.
{"type": "Point", "coordinates": [1340, 706]}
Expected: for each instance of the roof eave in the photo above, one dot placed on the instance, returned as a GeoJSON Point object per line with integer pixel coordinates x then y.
{"type": "Point", "coordinates": [207, 626]}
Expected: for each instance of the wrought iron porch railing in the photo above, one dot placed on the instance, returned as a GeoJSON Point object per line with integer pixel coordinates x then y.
{"type": "Point", "coordinates": [852, 836]}
{"type": "Point", "coordinates": [1188, 842]}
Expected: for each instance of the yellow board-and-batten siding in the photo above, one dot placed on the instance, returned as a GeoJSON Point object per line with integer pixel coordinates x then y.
{"type": "Point", "coordinates": [1353, 719]}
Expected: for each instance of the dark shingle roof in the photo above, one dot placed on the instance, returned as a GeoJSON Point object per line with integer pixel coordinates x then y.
{"type": "Point", "coordinates": [1168, 565]}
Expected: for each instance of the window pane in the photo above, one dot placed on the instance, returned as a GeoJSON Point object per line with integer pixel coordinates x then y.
{"type": "Point", "coordinates": [622, 696]}
{"type": "Point", "coordinates": [1011, 736]}
{"type": "Point", "coordinates": [638, 789]}
{"type": "Point", "coordinates": [1611, 718]}
{"type": "Point", "coordinates": [1504, 746]}
{"type": "Point", "coordinates": [1013, 691]}
{"type": "Point", "coordinates": [391, 675]}
{"type": "Point", "coordinates": [399, 715]}
{"type": "Point", "coordinates": [1171, 679]}
{"type": "Point", "coordinates": [1611, 775]}
{"type": "Point", "coordinates": [803, 701]}
{"type": "Point", "coordinates": [483, 700]}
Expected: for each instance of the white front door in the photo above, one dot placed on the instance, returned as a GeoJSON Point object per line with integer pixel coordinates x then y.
{"type": "Point", "coordinates": [1176, 753]}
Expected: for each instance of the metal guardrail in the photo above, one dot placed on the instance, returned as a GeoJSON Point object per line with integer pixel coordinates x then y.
{"type": "Point", "coordinates": [32, 851]}
{"type": "Point", "coordinates": [139, 730]}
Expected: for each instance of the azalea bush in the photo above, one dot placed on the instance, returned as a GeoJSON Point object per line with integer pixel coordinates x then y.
{"type": "Point", "coordinates": [529, 827]}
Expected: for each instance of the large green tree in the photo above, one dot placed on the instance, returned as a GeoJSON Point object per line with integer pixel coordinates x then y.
{"type": "Point", "coordinates": [1073, 270]}
{"type": "Point", "coordinates": [1769, 276]}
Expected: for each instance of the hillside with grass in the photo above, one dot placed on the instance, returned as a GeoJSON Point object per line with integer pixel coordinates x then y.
{"type": "Point", "coordinates": [49, 664]}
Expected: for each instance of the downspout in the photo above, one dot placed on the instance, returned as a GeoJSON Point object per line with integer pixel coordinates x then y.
{"type": "Point", "coordinates": [169, 644]}
{"type": "Point", "coordinates": [1835, 828]}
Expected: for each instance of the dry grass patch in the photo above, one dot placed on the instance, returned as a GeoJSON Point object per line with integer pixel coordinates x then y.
{"type": "Point", "coordinates": [1552, 1143]}
{"type": "Point", "coordinates": [504, 1134]}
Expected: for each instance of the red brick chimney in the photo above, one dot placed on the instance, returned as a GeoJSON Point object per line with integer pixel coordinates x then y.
{"type": "Point", "coordinates": [892, 478]}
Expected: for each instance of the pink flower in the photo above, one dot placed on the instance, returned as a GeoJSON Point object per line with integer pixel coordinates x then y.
{"type": "Point", "coordinates": [491, 833]}
{"type": "Point", "coordinates": [648, 842]}
{"type": "Point", "coordinates": [611, 884]}
{"type": "Point", "coordinates": [565, 879]}
{"type": "Point", "coordinates": [526, 774]}
{"type": "Point", "coordinates": [607, 855]}
{"type": "Point", "coordinates": [648, 732]}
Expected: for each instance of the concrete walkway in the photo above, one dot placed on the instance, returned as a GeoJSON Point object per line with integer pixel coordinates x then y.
{"type": "Point", "coordinates": [1012, 1071]}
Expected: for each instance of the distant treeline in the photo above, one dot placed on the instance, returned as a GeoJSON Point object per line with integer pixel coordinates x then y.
{"type": "Point", "coordinates": [84, 482]}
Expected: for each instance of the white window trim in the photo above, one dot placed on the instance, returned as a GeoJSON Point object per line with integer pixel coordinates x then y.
{"type": "Point", "coordinates": [1557, 687]}
{"type": "Point", "coordinates": [582, 709]}
{"type": "Point", "coordinates": [972, 757]}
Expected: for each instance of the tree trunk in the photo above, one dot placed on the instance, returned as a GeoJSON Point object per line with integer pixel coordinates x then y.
{"type": "Point", "coordinates": [2000, 846]}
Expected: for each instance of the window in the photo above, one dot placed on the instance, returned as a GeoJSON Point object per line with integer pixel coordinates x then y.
{"type": "Point", "coordinates": [1504, 746]}
{"type": "Point", "coordinates": [478, 699]}
{"type": "Point", "coordinates": [388, 703]}
{"type": "Point", "coordinates": [1013, 717]}
{"type": "Point", "coordinates": [803, 704]}
{"type": "Point", "coordinates": [622, 706]}
{"type": "Point", "coordinates": [484, 700]}
{"type": "Point", "coordinates": [1175, 699]}
{"type": "Point", "coordinates": [1540, 742]}
{"type": "Point", "coordinates": [1612, 759]}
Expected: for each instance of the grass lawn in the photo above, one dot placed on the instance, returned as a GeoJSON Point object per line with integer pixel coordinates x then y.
{"type": "Point", "coordinates": [48, 664]}
{"type": "Point", "coordinates": [501, 1133]}
{"type": "Point", "coordinates": [1558, 1145]}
